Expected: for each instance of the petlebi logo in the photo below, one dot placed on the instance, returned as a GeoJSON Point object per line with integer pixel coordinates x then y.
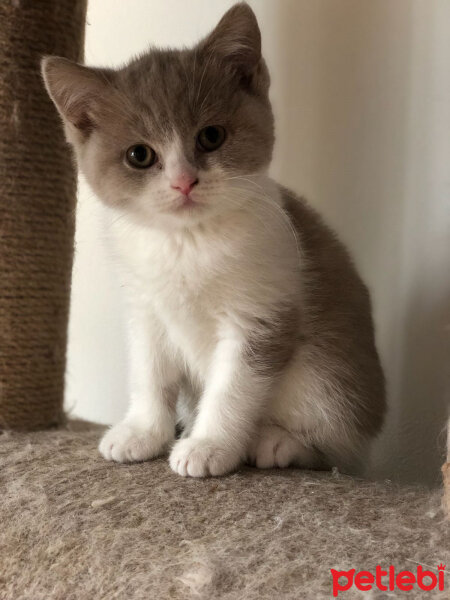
{"type": "Point", "coordinates": [388, 579]}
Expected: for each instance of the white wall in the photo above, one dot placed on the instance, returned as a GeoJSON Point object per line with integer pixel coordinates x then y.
{"type": "Point", "coordinates": [361, 91]}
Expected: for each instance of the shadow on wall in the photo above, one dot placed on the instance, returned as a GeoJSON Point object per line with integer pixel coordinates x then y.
{"type": "Point", "coordinates": [423, 388]}
{"type": "Point", "coordinates": [350, 102]}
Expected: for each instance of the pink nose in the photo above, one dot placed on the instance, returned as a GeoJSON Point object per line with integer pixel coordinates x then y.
{"type": "Point", "coordinates": [184, 183]}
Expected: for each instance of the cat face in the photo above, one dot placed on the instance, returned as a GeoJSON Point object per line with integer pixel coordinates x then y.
{"type": "Point", "coordinates": [173, 136]}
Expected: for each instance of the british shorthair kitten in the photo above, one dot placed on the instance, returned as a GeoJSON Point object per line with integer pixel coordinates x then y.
{"type": "Point", "coordinates": [249, 327]}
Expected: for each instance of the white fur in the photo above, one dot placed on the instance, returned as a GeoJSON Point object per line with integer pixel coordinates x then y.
{"type": "Point", "coordinates": [193, 294]}
{"type": "Point", "coordinates": [274, 446]}
{"type": "Point", "coordinates": [176, 164]}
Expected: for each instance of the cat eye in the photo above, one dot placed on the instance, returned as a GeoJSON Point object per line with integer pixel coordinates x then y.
{"type": "Point", "coordinates": [141, 156]}
{"type": "Point", "coordinates": [210, 138]}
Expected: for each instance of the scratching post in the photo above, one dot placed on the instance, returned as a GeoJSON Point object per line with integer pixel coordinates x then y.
{"type": "Point", "coordinates": [37, 201]}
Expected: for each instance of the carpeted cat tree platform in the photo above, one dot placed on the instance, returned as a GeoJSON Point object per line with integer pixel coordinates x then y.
{"type": "Point", "coordinates": [74, 526]}
{"type": "Point", "coordinates": [77, 527]}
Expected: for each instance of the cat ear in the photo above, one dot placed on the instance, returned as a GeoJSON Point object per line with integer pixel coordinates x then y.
{"type": "Point", "coordinates": [75, 90]}
{"type": "Point", "coordinates": [237, 38]}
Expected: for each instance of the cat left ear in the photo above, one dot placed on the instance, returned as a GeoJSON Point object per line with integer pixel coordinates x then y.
{"type": "Point", "coordinates": [237, 38]}
{"type": "Point", "coordinates": [75, 90]}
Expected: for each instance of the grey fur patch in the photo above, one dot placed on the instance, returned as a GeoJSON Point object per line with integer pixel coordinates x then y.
{"type": "Point", "coordinates": [337, 323]}
{"type": "Point", "coordinates": [272, 343]}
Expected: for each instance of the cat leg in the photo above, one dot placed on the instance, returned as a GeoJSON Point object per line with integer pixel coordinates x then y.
{"type": "Point", "coordinates": [228, 411]}
{"type": "Point", "coordinates": [276, 447]}
{"type": "Point", "coordinates": [149, 425]}
{"type": "Point", "coordinates": [323, 415]}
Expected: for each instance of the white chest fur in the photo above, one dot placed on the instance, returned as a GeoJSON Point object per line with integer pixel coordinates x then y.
{"type": "Point", "coordinates": [199, 281]}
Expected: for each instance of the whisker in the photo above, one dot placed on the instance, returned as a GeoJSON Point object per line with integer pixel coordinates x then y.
{"type": "Point", "coordinates": [263, 196]}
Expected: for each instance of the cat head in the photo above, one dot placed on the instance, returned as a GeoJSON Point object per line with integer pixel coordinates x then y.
{"type": "Point", "coordinates": [173, 136]}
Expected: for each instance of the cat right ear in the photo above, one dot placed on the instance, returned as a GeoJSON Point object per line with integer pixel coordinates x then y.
{"type": "Point", "coordinates": [236, 40]}
{"type": "Point", "coordinates": [237, 37]}
{"type": "Point", "coordinates": [76, 91]}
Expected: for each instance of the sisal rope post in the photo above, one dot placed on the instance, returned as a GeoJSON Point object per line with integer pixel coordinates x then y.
{"type": "Point", "coordinates": [37, 204]}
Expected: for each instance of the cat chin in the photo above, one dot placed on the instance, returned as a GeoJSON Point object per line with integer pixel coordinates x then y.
{"type": "Point", "coordinates": [178, 217]}
{"type": "Point", "coordinates": [178, 221]}
{"type": "Point", "coordinates": [170, 220]}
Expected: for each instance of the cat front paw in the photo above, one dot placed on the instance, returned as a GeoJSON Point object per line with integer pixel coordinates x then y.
{"type": "Point", "coordinates": [202, 458]}
{"type": "Point", "coordinates": [131, 442]}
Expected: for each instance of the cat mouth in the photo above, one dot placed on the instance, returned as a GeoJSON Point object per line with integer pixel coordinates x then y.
{"type": "Point", "coordinates": [187, 203]}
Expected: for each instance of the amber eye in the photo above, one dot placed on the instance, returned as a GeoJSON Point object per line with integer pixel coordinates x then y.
{"type": "Point", "coordinates": [141, 156]}
{"type": "Point", "coordinates": [210, 138]}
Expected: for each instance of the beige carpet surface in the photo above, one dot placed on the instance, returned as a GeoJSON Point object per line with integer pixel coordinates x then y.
{"type": "Point", "coordinates": [76, 527]}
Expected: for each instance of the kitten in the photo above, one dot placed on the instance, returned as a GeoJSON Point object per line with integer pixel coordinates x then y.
{"type": "Point", "coordinates": [248, 324]}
